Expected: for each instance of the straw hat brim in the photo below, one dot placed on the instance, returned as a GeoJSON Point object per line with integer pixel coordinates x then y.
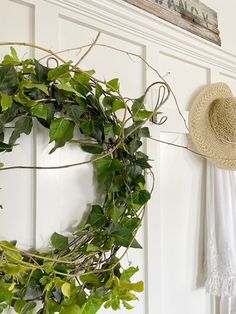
{"type": "Point", "coordinates": [223, 155]}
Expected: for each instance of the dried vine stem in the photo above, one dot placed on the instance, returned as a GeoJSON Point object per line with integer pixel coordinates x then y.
{"type": "Point", "coordinates": [87, 52]}
{"type": "Point", "coordinates": [137, 56]}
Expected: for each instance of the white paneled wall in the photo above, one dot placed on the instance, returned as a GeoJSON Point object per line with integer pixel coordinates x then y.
{"type": "Point", "coordinates": [39, 203]}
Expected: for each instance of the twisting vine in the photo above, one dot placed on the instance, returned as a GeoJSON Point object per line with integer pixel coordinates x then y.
{"type": "Point", "coordinates": [78, 274]}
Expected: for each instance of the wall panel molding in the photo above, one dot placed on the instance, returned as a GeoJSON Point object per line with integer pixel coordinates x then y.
{"type": "Point", "coordinates": [117, 14]}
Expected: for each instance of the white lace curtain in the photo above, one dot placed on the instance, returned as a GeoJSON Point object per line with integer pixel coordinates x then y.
{"type": "Point", "coordinates": [220, 265]}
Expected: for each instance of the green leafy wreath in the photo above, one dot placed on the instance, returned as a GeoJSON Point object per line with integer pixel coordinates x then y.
{"type": "Point", "coordinates": [80, 273]}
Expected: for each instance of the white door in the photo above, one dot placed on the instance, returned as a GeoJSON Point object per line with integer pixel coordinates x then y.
{"type": "Point", "coordinates": [172, 234]}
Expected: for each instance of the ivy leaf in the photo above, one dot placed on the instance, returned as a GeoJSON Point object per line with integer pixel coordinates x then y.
{"type": "Point", "coordinates": [18, 305]}
{"type": "Point", "coordinates": [5, 147]}
{"type": "Point", "coordinates": [117, 104]}
{"type": "Point", "coordinates": [128, 273]}
{"type": "Point", "coordinates": [5, 297]}
{"type": "Point", "coordinates": [134, 145]}
{"type": "Point", "coordinates": [23, 125]}
{"type": "Point", "coordinates": [123, 236]}
{"type": "Point", "coordinates": [108, 131]}
{"type": "Point", "coordinates": [10, 114]}
{"type": "Point", "coordinates": [113, 84]}
{"type": "Point", "coordinates": [59, 71]}
{"type": "Point", "coordinates": [33, 290]}
{"type": "Point", "coordinates": [137, 287]}
{"type": "Point", "coordinates": [69, 88]}
{"type": "Point", "coordinates": [144, 132]}
{"type": "Point", "coordinates": [61, 131]}
{"type": "Point", "coordinates": [12, 269]}
{"type": "Point", "coordinates": [71, 309]}
{"type": "Point", "coordinates": [66, 289]}
{"type": "Point", "coordinates": [28, 308]}
{"type": "Point", "coordinates": [141, 197]}
{"type": "Point", "coordinates": [59, 241]}
{"type": "Point", "coordinates": [96, 217]}
{"type": "Point", "coordinates": [138, 104]}
{"type": "Point", "coordinates": [42, 87]}
{"type": "Point", "coordinates": [92, 148]}
{"type": "Point", "coordinates": [41, 72]}
{"type": "Point", "coordinates": [90, 279]}
{"type": "Point", "coordinates": [105, 166]}
{"type": "Point", "coordinates": [127, 305]}
{"type": "Point", "coordinates": [142, 115]}
{"type": "Point", "coordinates": [6, 101]}
{"type": "Point", "coordinates": [92, 305]}
{"type": "Point", "coordinates": [10, 251]}
{"type": "Point", "coordinates": [8, 79]}
{"type": "Point", "coordinates": [92, 128]}
{"type": "Point", "coordinates": [13, 58]}
{"type": "Point", "coordinates": [40, 111]}
{"type": "Point", "coordinates": [75, 112]}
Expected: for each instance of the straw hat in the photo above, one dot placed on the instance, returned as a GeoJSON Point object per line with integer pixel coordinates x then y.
{"type": "Point", "coordinates": [212, 125]}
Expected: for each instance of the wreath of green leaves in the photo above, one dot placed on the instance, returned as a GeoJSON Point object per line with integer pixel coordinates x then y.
{"type": "Point", "coordinates": [77, 274]}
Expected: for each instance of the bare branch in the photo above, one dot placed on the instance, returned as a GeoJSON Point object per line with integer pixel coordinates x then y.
{"type": "Point", "coordinates": [87, 52]}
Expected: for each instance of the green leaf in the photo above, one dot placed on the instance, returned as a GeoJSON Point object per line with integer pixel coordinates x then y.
{"type": "Point", "coordinates": [10, 251]}
{"type": "Point", "coordinates": [28, 308]}
{"type": "Point", "coordinates": [10, 114]}
{"type": "Point", "coordinates": [33, 290]}
{"type": "Point", "coordinates": [5, 296]}
{"type": "Point", "coordinates": [92, 305]}
{"type": "Point", "coordinates": [92, 148]}
{"type": "Point", "coordinates": [98, 91]}
{"type": "Point", "coordinates": [122, 235]}
{"type": "Point", "coordinates": [23, 125]}
{"type": "Point", "coordinates": [92, 128]}
{"type": "Point", "coordinates": [42, 87]}
{"type": "Point", "coordinates": [144, 132]}
{"type": "Point", "coordinates": [12, 269]}
{"type": "Point", "coordinates": [8, 79]}
{"type": "Point", "coordinates": [40, 111]}
{"type": "Point", "coordinates": [71, 309]}
{"type": "Point", "coordinates": [5, 147]}
{"type": "Point", "coordinates": [75, 112]}
{"type": "Point", "coordinates": [90, 279]}
{"type": "Point", "coordinates": [18, 305]}
{"type": "Point", "coordinates": [141, 197]}
{"type": "Point", "coordinates": [68, 88]}
{"type": "Point", "coordinates": [114, 213]}
{"type": "Point", "coordinates": [138, 104]}
{"type": "Point", "coordinates": [59, 241]}
{"type": "Point", "coordinates": [134, 145]}
{"type": "Point", "coordinates": [137, 287]}
{"type": "Point", "coordinates": [127, 305]}
{"type": "Point", "coordinates": [61, 131]}
{"type": "Point", "coordinates": [66, 289]}
{"type": "Point", "coordinates": [59, 71]}
{"type": "Point", "coordinates": [41, 72]}
{"type": "Point", "coordinates": [96, 217]}
{"type": "Point", "coordinates": [6, 101]}
{"type": "Point", "coordinates": [142, 115]}
{"type": "Point", "coordinates": [13, 58]}
{"type": "Point", "coordinates": [108, 131]}
{"type": "Point", "coordinates": [105, 166]}
{"type": "Point", "coordinates": [113, 85]}
{"type": "Point", "coordinates": [117, 104]}
{"type": "Point", "coordinates": [128, 273]}
{"type": "Point", "coordinates": [83, 77]}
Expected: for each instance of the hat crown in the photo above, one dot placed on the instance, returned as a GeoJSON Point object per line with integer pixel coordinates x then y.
{"type": "Point", "coordinates": [222, 116]}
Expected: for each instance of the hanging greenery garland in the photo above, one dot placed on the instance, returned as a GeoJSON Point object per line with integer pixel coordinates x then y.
{"type": "Point", "coordinates": [78, 274]}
